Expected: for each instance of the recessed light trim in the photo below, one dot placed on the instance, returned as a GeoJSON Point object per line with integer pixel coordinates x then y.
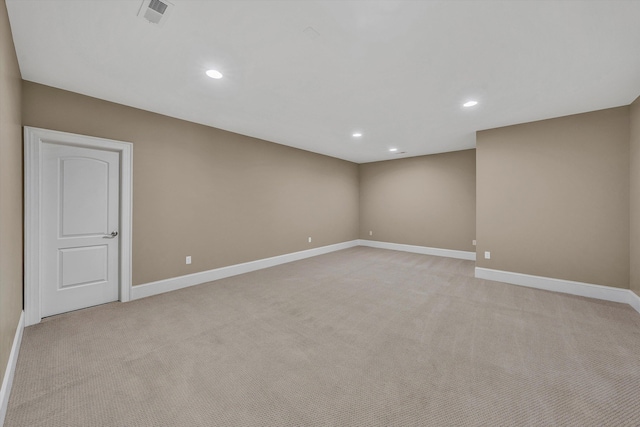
{"type": "Point", "coordinates": [214, 74]}
{"type": "Point", "coordinates": [393, 150]}
{"type": "Point", "coordinates": [470, 104]}
{"type": "Point", "coordinates": [356, 134]}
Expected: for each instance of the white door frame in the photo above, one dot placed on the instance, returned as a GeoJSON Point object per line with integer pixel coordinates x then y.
{"type": "Point", "coordinates": [33, 139]}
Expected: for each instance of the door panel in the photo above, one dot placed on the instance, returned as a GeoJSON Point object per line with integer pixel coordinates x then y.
{"type": "Point", "coordinates": [80, 209]}
{"type": "Point", "coordinates": [95, 260]}
{"type": "Point", "coordinates": [84, 185]}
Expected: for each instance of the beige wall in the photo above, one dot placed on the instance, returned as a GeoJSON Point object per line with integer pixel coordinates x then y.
{"type": "Point", "coordinates": [635, 195]}
{"type": "Point", "coordinates": [425, 201]}
{"type": "Point", "coordinates": [10, 191]}
{"type": "Point", "coordinates": [553, 198]}
{"type": "Point", "coordinates": [219, 197]}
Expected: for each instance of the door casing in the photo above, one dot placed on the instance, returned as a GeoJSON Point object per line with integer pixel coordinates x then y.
{"type": "Point", "coordinates": [33, 139]}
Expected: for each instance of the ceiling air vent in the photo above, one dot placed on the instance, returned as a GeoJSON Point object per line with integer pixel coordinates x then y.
{"type": "Point", "coordinates": [155, 11]}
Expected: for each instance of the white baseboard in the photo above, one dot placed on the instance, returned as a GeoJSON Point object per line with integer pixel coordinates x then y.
{"type": "Point", "coordinates": [634, 301]}
{"type": "Point", "coordinates": [424, 250]}
{"type": "Point", "coordinates": [7, 381]}
{"type": "Point", "coordinates": [175, 283]}
{"type": "Point", "coordinates": [589, 290]}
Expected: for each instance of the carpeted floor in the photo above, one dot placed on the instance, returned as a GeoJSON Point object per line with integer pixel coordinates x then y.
{"type": "Point", "coordinates": [360, 337]}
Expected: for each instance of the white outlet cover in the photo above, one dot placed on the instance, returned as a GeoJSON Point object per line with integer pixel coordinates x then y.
{"type": "Point", "coordinates": [474, 242]}
{"type": "Point", "coordinates": [487, 255]}
{"type": "Point", "coordinates": [188, 260]}
{"type": "Point", "coordinates": [309, 239]}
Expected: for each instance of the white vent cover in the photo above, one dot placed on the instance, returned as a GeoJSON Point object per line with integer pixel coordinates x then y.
{"type": "Point", "coordinates": [155, 11]}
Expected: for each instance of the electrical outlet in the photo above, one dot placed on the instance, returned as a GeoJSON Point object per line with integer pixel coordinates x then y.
{"type": "Point", "coordinates": [474, 242]}
{"type": "Point", "coordinates": [370, 233]}
{"type": "Point", "coordinates": [487, 255]}
{"type": "Point", "coordinates": [309, 239]}
{"type": "Point", "coordinates": [188, 260]}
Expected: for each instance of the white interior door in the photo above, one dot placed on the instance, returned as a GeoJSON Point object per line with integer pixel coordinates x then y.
{"type": "Point", "coordinates": [80, 225]}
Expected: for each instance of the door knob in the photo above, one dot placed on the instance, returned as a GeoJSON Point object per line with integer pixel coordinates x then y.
{"type": "Point", "coordinates": [110, 236]}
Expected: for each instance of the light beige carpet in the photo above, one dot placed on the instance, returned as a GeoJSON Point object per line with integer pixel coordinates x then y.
{"type": "Point", "coordinates": [360, 337]}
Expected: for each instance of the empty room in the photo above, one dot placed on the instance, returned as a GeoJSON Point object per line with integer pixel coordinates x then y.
{"type": "Point", "coordinates": [319, 213]}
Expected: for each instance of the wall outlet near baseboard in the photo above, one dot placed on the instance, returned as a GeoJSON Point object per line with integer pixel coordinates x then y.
{"type": "Point", "coordinates": [309, 239]}
{"type": "Point", "coordinates": [188, 260]}
{"type": "Point", "coordinates": [487, 255]}
{"type": "Point", "coordinates": [370, 233]}
{"type": "Point", "coordinates": [473, 242]}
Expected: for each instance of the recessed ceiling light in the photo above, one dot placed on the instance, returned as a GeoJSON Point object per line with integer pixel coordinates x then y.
{"type": "Point", "coordinates": [470, 103]}
{"type": "Point", "coordinates": [356, 135]}
{"type": "Point", "coordinates": [214, 74]}
{"type": "Point", "coordinates": [393, 149]}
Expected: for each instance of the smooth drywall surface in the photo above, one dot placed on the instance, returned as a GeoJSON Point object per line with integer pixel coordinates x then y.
{"type": "Point", "coordinates": [425, 201]}
{"type": "Point", "coordinates": [553, 198]}
{"type": "Point", "coordinates": [10, 191]}
{"type": "Point", "coordinates": [219, 197]}
{"type": "Point", "coordinates": [634, 121]}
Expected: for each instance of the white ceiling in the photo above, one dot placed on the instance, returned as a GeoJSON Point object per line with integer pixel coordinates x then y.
{"type": "Point", "coordinates": [398, 71]}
